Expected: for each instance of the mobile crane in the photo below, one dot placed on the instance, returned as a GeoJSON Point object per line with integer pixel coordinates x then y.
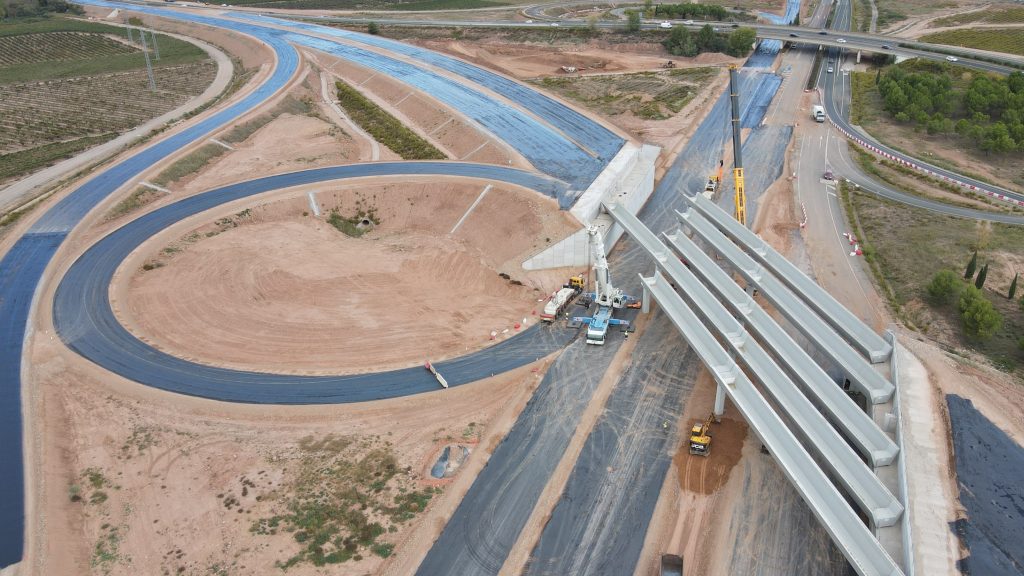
{"type": "Point", "coordinates": [737, 172]}
{"type": "Point", "coordinates": [606, 296]}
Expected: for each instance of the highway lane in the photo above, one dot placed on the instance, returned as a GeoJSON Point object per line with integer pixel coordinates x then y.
{"type": "Point", "coordinates": [836, 91]}
{"type": "Point", "coordinates": [84, 320]}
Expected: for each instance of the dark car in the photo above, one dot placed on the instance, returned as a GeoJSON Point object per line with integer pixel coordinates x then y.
{"type": "Point", "coordinates": [828, 175]}
{"type": "Point", "coordinates": [791, 35]}
{"type": "Point", "coordinates": [823, 33]}
{"type": "Point", "coordinates": [735, 25]}
{"type": "Point", "coordinates": [886, 47]}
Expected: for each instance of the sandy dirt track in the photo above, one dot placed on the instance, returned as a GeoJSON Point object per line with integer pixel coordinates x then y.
{"type": "Point", "coordinates": [277, 289]}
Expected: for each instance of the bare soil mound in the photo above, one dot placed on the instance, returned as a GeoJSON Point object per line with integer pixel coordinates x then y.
{"type": "Point", "coordinates": [275, 288]}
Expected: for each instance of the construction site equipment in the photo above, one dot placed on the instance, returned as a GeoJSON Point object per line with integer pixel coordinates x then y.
{"type": "Point", "coordinates": [700, 437]}
{"type": "Point", "coordinates": [559, 300]}
{"type": "Point", "coordinates": [606, 296]}
{"type": "Point", "coordinates": [669, 64]}
{"type": "Point", "coordinates": [737, 172]}
{"type": "Point", "coordinates": [440, 379]}
{"type": "Point", "coordinates": [818, 113]}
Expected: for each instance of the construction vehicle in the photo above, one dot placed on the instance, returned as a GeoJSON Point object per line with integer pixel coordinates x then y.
{"type": "Point", "coordinates": [700, 437]}
{"type": "Point", "coordinates": [606, 296]}
{"type": "Point", "coordinates": [559, 300]}
{"type": "Point", "coordinates": [737, 172]}
{"type": "Point", "coordinates": [818, 113]}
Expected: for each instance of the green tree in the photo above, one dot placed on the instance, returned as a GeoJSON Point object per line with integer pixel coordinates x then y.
{"type": "Point", "coordinates": [680, 42]}
{"type": "Point", "coordinates": [944, 285]}
{"type": "Point", "coordinates": [1013, 288]}
{"type": "Point", "coordinates": [971, 266]}
{"type": "Point", "coordinates": [980, 319]}
{"type": "Point", "coordinates": [706, 38]}
{"type": "Point", "coordinates": [796, 19]}
{"type": "Point", "coordinates": [633, 21]}
{"type": "Point", "coordinates": [980, 282]}
{"type": "Point", "coordinates": [373, 28]}
{"type": "Point", "coordinates": [741, 41]}
{"type": "Point", "coordinates": [968, 296]}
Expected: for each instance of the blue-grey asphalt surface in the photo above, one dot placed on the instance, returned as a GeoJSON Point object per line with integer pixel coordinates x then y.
{"type": "Point", "coordinates": [23, 266]}
{"type": "Point", "coordinates": [86, 323]}
{"type": "Point", "coordinates": [989, 471]}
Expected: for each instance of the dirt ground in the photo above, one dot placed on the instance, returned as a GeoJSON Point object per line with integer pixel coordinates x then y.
{"type": "Point", "coordinates": [170, 465]}
{"type": "Point", "coordinates": [278, 289]}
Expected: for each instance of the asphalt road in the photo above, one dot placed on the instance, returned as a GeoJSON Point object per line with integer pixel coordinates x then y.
{"type": "Point", "coordinates": [84, 320]}
{"type": "Point", "coordinates": [599, 524]}
{"type": "Point", "coordinates": [21, 270]}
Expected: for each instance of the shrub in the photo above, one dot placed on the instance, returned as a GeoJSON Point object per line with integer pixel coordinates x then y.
{"type": "Point", "coordinates": [944, 286]}
{"type": "Point", "coordinates": [981, 320]}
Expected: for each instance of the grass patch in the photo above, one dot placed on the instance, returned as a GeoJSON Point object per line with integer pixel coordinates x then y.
{"type": "Point", "coordinates": [189, 164]}
{"type": "Point", "coordinates": [909, 245]}
{"type": "Point", "coordinates": [1007, 41]}
{"type": "Point", "coordinates": [384, 127]}
{"type": "Point", "coordinates": [890, 172]}
{"type": "Point", "coordinates": [345, 494]}
{"type": "Point", "coordinates": [648, 95]}
{"type": "Point", "coordinates": [26, 161]}
{"type": "Point", "coordinates": [990, 15]}
{"type": "Point", "coordinates": [137, 199]}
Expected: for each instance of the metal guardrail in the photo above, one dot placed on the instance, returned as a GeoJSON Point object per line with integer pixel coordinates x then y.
{"type": "Point", "coordinates": [858, 426]}
{"type": "Point", "coordinates": [847, 530]}
{"type": "Point", "coordinates": [861, 374]}
{"type": "Point", "coordinates": [866, 489]}
{"type": "Point", "coordinates": [860, 334]}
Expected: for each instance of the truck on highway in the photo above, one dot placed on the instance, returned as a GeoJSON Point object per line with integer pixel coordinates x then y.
{"type": "Point", "coordinates": [818, 113]}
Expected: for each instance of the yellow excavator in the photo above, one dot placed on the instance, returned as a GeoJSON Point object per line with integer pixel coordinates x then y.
{"type": "Point", "coordinates": [576, 282]}
{"type": "Point", "coordinates": [700, 437]}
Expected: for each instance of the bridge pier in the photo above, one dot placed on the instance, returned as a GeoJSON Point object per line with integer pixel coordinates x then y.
{"type": "Point", "coordinates": [719, 402]}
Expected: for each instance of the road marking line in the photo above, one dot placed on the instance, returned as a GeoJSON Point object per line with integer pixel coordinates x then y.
{"type": "Point", "coordinates": [475, 150]}
{"type": "Point", "coordinates": [154, 187]}
{"type": "Point", "coordinates": [312, 204]}
{"type": "Point", "coordinates": [224, 144]}
{"type": "Point", "coordinates": [471, 207]}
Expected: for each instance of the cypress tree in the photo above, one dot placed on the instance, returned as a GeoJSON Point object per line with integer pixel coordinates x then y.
{"type": "Point", "coordinates": [981, 277]}
{"type": "Point", "coordinates": [1013, 287]}
{"type": "Point", "coordinates": [971, 266]}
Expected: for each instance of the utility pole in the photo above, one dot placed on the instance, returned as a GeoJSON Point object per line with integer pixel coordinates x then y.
{"type": "Point", "coordinates": [149, 65]}
{"type": "Point", "coordinates": [129, 29]}
{"type": "Point", "coordinates": [156, 49]}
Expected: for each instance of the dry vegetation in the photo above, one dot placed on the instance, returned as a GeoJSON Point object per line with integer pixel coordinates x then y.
{"type": "Point", "coordinates": [992, 15]}
{"type": "Point", "coordinates": [648, 95]}
{"type": "Point", "coordinates": [905, 246]}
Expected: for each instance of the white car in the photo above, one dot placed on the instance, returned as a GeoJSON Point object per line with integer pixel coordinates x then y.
{"type": "Point", "coordinates": [841, 41]}
{"type": "Point", "coordinates": [688, 22]}
{"type": "Point", "coordinates": [529, 21]}
{"type": "Point", "coordinates": [554, 23]}
{"type": "Point", "coordinates": [952, 58]}
{"type": "Point", "coordinates": [829, 70]}
{"type": "Point", "coordinates": [665, 24]}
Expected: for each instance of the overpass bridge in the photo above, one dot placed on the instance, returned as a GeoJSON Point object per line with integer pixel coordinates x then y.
{"type": "Point", "coordinates": [824, 442]}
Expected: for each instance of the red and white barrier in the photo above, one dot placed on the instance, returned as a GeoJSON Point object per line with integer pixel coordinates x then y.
{"type": "Point", "coordinates": [928, 171]}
